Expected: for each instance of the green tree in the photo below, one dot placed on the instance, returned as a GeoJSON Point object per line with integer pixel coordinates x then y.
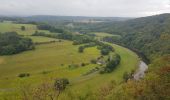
{"type": "Point", "coordinates": [81, 49]}
{"type": "Point", "coordinates": [23, 28]}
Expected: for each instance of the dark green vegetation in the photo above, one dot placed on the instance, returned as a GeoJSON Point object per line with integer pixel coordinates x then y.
{"type": "Point", "coordinates": [148, 35]}
{"type": "Point", "coordinates": [76, 38]}
{"type": "Point", "coordinates": [60, 84]}
{"type": "Point", "coordinates": [23, 28]}
{"type": "Point", "coordinates": [24, 75]}
{"type": "Point", "coordinates": [113, 62]}
{"type": "Point", "coordinates": [150, 38]}
{"type": "Point", "coordinates": [12, 43]}
{"type": "Point", "coordinates": [105, 49]}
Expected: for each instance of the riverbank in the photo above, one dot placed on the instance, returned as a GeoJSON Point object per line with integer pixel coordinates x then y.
{"type": "Point", "coordinates": [140, 73]}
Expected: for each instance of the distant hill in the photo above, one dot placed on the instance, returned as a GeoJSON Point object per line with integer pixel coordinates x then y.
{"type": "Point", "coordinates": [41, 18]}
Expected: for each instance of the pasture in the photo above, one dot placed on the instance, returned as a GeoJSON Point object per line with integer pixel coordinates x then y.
{"type": "Point", "coordinates": [50, 61]}
{"type": "Point", "coordinates": [8, 26]}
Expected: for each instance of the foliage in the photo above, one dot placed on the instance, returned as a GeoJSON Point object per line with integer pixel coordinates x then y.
{"type": "Point", "coordinates": [104, 51]}
{"type": "Point", "coordinates": [93, 61]}
{"type": "Point", "coordinates": [127, 76]}
{"type": "Point", "coordinates": [155, 85]}
{"type": "Point", "coordinates": [23, 28]}
{"type": "Point", "coordinates": [77, 39]}
{"type": "Point", "coordinates": [24, 75]}
{"type": "Point", "coordinates": [81, 48]}
{"type": "Point", "coordinates": [112, 63]}
{"type": "Point", "coordinates": [50, 28]}
{"type": "Point", "coordinates": [60, 84]}
{"type": "Point", "coordinates": [12, 43]}
{"type": "Point", "coordinates": [146, 35]}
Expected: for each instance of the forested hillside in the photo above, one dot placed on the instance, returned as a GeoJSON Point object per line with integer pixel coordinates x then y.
{"type": "Point", "coordinates": [149, 35]}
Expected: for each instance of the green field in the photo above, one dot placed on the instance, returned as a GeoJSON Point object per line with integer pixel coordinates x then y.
{"type": "Point", "coordinates": [129, 61]}
{"type": "Point", "coordinates": [38, 39]}
{"type": "Point", "coordinates": [50, 61]}
{"type": "Point", "coordinates": [12, 27]}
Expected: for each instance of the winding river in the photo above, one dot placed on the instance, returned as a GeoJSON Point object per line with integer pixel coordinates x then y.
{"type": "Point", "coordinates": [140, 73]}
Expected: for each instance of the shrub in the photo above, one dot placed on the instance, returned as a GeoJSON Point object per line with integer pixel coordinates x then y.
{"type": "Point", "coordinates": [93, 61]}
{"type": "Point", "coordinates": [83, 64]}
{"type": "Point", "coordinates": [24, 75]}
{"type": "Point", "coordinates": [60, 84]}
{"type": "Point", "coordinates": [105, 51]}
{"type": "Point", "coordinates": [23, 28]}
{"type": "Point", "coordinates": [112, 64]}
{"type": "Point", "coordinates": [81, 49]}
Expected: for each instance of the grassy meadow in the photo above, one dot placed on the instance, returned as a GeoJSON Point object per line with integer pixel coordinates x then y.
{"type": "Point", "coordinates": [9, 26]}
{"type": "Point", "coordinates": [50, 61]}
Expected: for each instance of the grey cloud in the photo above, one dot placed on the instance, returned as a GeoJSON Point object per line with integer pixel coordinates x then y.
{"type": "Point", "coordinates": [122, 8]}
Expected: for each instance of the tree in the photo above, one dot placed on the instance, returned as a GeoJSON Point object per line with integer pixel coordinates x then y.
{"type": "Point", "coordinates": [12, 43]}
{"type": "Point", "coordinates": [125, 76]}
{"type": "Point", "coordinates": [23, 28]}
{"type": "Point", "coordinates": [104, 51]}
{"type": "Point", "coordinates": [81, 49]}
{"type": "Point", "coordinates": [60, 84]}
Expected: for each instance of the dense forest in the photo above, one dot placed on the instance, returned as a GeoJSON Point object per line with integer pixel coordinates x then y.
{"type": "Point", "coordinates": [12, 43]}
{"type": "Point", "coordinates": [149, 35]}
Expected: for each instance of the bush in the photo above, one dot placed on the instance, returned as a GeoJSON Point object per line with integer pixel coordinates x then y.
{"type": "Point", "coordinates": [23, 28]}
{"type": "Point", "coordinates": [81, 49]}
{"type": "Point", "coordinates": [73, 66]}
{"type": "Point", "coordinates": [83, 64]}
{"type": "Point", "coordinates": [112, 64]}
{"type": "Point", "coordinates": [24, 75]}
{"type": "Point", "coordinates": [105, 51]}
{"type": "Point", "coordinates": [60, 84]}
{"type": "Point", "coordinates": [93, 61]}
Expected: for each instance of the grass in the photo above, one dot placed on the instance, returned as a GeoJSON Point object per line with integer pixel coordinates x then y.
{"type": "Point", "coordinates": [8, 26]}
{"type": "Point", "coordinates": [129, 61]}
{"type": "Point", "coordinates": [44, 57]}
{"type": "Point", "coordinates": [38, 39]}
{"type": "Point", "coordinates": [100, 35]}
{"type": "Point", "coordinates": [50, 61]}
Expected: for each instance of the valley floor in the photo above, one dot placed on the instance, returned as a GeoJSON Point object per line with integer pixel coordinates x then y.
{"type": "Point", "coordinates": [92, 82]}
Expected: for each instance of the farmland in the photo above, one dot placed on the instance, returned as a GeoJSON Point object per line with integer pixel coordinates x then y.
{"type": "Point", "coordinates": [50, 61]}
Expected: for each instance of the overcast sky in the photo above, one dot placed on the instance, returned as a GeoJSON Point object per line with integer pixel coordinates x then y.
{"type": "Point", "coordinates": [110, 8]}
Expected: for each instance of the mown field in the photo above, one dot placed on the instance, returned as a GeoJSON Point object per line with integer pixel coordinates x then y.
{"type": "Point", "coordinates": [50, 61]}
{"type": "Point", "coordinates": [8, 26]}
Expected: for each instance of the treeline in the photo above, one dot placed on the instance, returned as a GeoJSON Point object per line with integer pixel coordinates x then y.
{"type": "Point", "coordinates": [105, 49]}
{"type": "Point", "coordinates": [50, 28]}
{"type": "Point", "coordinates": [112, 63]}
{"type": "Point", "coordinates": [12, 43]}
{"type": "Point", "coordinates": [77, 39]}
{"type": "Point", "coordinates": [149, 35]}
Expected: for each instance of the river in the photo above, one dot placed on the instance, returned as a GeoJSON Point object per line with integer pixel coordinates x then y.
{"type": "Point", "coordinates": [140, 73]}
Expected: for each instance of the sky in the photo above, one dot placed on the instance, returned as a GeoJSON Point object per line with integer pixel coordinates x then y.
{"type": "Point", "coordinates": [102, 8]}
